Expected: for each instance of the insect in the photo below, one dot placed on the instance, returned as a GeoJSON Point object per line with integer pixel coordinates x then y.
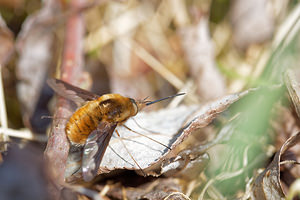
{"type": "Point", "coordinates": [91, 126]}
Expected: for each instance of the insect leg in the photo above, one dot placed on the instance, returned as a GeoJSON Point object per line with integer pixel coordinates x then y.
{"type": "Point", "coordinates": [130, 153]}
{"type": "Point", "coordinates": [150, 131]}
{"type": "Point", "coordinates": [146, 136]}
{"type": "Point", "coordinates": [73, 165]}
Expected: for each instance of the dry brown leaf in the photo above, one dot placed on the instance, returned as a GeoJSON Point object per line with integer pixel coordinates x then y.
{"type": "Point", "coordinates": [199, 52]}
{"type": "Point", "coordinates": [161, 188]}
{"type": "Point", "coordinates": [252, 22]}
{"type": "Point", "coordinates": [267, 185]}
{"type": "Point", "coordinates": [34, 45]}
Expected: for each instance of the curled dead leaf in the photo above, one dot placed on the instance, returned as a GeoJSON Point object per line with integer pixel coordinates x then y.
{"type": "Point", "coordinates": [267, 185]}
{"type": "Point", "coordinates": [292, 84]}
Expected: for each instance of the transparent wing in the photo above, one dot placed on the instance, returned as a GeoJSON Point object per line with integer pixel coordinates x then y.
{"type": "Point", "coordinates": [71, 92]}
{"type": "Point", "coordinates": [94, 149]}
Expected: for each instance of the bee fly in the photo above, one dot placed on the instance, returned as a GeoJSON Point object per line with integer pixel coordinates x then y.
{"type": "Point", "coordinates": [91, 126]}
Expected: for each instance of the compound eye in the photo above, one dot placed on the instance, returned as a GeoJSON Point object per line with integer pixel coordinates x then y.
{"type": "Point", "coordinates": [135, 107]}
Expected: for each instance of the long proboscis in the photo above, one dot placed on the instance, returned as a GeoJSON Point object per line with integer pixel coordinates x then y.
{"type": "Point", "coordinates": [162, 99]}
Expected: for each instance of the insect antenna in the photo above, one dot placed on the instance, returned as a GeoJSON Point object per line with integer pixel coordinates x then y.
{"type": "Point", "coordinates": [148, 130]}
{"type": "Point", "coordinates": [147, 103]}
{"type": "Point", "coordinates": [130, 153]}
{"type": "Point", "coordinates": [146, 136]}
{"type": "Point", "coordinates": [145, 98]}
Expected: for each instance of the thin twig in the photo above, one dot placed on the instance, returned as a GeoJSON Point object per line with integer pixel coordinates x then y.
{"type": "Point", "coordinates": [176, 193]}
{"type": "Point", "coordinates": [3, 114]}
{"type": "Point", "coordinates": [71, 70]}
{"type": "Point", "coordinates": [115, 28]}
{"type": "Point", "coordinates": [24, 134]}
{"type": "Point", "coordinates": [294, 162]}
{"type": "Point", "coordinates": [157, 66]}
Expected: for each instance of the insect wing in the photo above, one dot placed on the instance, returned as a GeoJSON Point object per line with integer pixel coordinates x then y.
{"type": "Point", "coordinates": [71, 92]}
{"type": "Point", "coordinates": [94, 149]}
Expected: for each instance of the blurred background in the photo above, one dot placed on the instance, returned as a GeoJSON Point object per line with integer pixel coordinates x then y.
{"type": "Point", "coordinates": [141, 48]}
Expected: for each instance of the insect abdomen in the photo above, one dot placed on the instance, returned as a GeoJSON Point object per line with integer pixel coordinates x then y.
{"type": "Point", "coordinates": [83, 122]}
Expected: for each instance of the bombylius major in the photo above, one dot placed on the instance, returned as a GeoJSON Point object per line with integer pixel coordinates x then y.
{"type": "Point", "coordinates": [91, 126]}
